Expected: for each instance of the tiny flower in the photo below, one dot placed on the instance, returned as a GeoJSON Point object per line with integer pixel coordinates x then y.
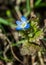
{"type": "Point", "coordinates": [23, 24]}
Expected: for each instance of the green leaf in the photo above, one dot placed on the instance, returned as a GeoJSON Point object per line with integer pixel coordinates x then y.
{"type": "Point", "coordinates": [38, 2]}
{"type": "Point", "coordinates": [18, 43]}
{"type": "Point", "coordinates": [8, 13]}
{"type": "Point", "coordinates": [41, 5]}
{"type": "Point", "coordinates": [7, 60]}
{"type": "Point", "coordinates": [30, 35]}
{"type": "Point", "coordinates": [5, 22]}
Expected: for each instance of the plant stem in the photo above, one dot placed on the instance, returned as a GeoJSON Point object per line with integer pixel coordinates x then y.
{"type": "Point", "coordinates": [40, 58]}
{"type": "Point", "coordinates": [33, 59]}
{"type": "Point", "coordinates": [28, 5]}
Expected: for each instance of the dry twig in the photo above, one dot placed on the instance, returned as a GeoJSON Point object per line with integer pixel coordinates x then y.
{"type": "Point", "coordinates": [40, 58]}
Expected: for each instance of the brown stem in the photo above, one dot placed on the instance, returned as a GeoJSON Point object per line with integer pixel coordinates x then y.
{"type": "Point", "coordinates": [26, 58]}
{"type": "Point", "coordinates": [45, 22]}
{"type": "Point", "coordinates": [13, 52]}
{"type": "Point", "coordinates": [32, 5]}
{"type": "Point", "coordinates": [17, 8]}
{"type": "Point", "coordinates": [15, 35]}
{"type": "Point", "coordinates": [40, 58]}
{"type": "Point", "coordinates": [33, 59]}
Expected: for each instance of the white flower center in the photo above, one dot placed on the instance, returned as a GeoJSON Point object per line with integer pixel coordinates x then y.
{"type": "Point", "coordinates": [23, 25]}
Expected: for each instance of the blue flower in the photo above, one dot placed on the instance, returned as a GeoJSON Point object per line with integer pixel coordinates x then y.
{"type": "Point", "coordinates": [23, 24]}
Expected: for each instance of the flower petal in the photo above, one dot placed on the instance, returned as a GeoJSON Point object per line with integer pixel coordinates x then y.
{"type": "Point", "coordinates": [18, 22]}
{"type": "Point", "coordinates": [18, 28]}
{"type": "Point", "coordinates": [27, 26]}
{"type": "Point", "coordinates": [23, 19]}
